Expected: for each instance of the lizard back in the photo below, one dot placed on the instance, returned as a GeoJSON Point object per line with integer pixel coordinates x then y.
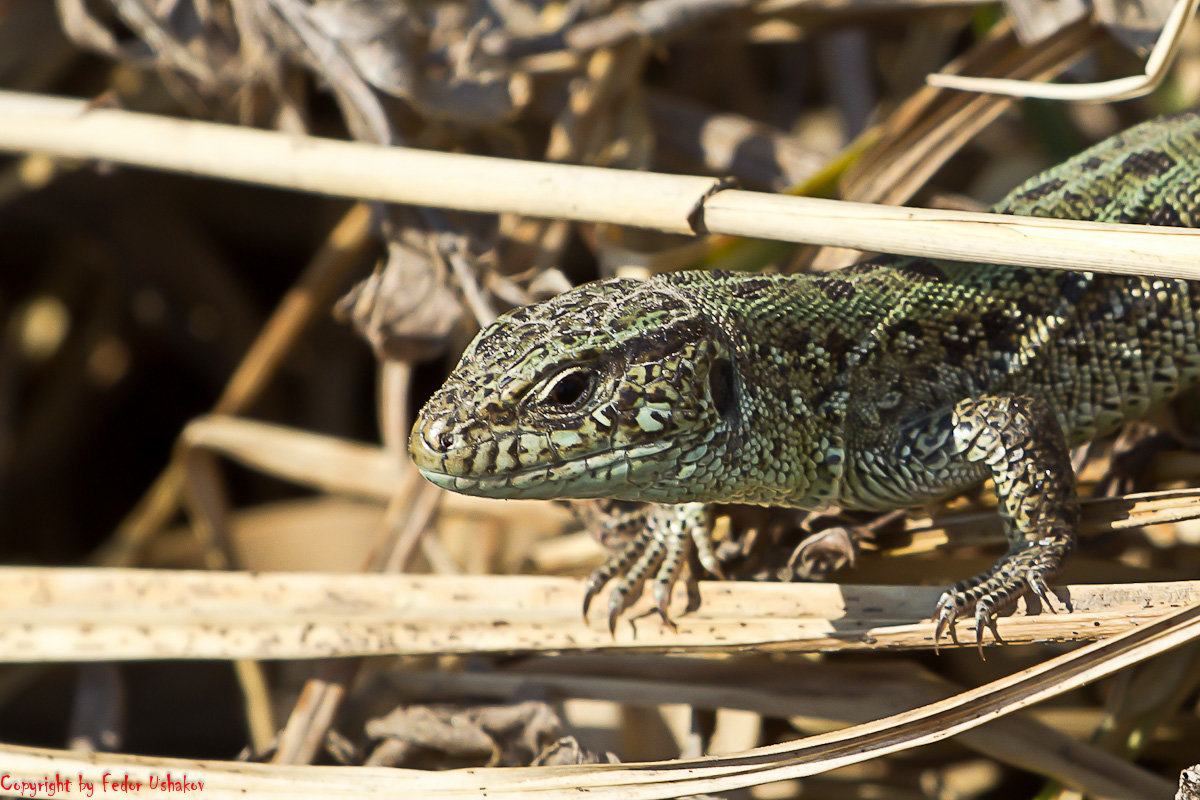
{"type": "Point", "coordinates": [863, 355]}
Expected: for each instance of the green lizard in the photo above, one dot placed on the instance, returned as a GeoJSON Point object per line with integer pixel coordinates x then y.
{"type": "Point", "coordinates": [893, 382]}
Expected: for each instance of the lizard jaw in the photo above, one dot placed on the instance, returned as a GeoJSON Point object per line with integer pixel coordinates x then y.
{"type": "Point", "coordinates": [606, 474]}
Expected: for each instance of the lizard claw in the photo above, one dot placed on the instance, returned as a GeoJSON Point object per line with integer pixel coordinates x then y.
{"type": "Point", "coordinates": [619, 564]}
{"type": "Point", "coordinates": [968, 597]}
{"type": "Point", "coordinates": [615, 607]}
{"type": "Point", "coordinates": [627, 572]}
{"type": "Point", "coordinates": [591, 589]}
{"type": "Point", "coordinates": [952, 604]}
{"type": "Point", "coordinates": [946, 612]}
{"type": "Point", "coordinates": [1037, 585]}
{"type": "Point", "coordinates": [664, 615]}
{"type": "Point", "coordinates": [985, 617]}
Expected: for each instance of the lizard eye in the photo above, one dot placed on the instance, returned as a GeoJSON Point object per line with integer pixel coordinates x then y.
{"type": "Point", "coordinates": [568, 389]}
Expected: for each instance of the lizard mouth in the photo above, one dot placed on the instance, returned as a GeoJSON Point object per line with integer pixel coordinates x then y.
{"type": "Point", "coordinates": [485, 486]}
{"type": "Point", "coordinates": [604, 474]}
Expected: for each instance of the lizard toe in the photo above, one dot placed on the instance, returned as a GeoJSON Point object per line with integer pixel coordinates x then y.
{"type": "Point", "coordinates": [949, 606]}
{"type": "Point", "coordinates": [618, 564]}
{"type": "Point", "coordinates": [988, 595]}
{"type": "Point", "coordinates": [651, 551]}
{"type": "Point", "coordinates": [1037, 585]}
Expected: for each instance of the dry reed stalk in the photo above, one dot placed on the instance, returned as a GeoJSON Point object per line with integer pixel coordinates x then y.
{"type": "Point", "coordinates": [671, 203]}
{"type": "Point", "coordinates": [99, 614]}
{"type": "Point", "coordinates": [638, 781]}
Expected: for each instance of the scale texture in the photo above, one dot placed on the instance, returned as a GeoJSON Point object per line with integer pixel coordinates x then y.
{"type": "Point", "coordinates": [893, 382]}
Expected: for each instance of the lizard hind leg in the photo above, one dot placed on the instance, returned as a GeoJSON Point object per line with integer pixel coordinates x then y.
{"type": "Point", "coordinates": [1021, 443]}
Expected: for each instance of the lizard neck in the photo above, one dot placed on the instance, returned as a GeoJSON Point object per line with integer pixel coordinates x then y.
{"type": "Point", "coordinates": [787, 338]}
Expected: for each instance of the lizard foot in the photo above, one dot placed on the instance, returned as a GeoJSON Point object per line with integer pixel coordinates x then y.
{"type": "Point", "coordinates": [991, 593]}
{"type": "Point", "coordinates": [829, 549]}
{"type": "Point", "coordinates": [823, 552]}
{"type": "Point", "coordinates": [1020, 442]}
{"type": "Point", "coordinates": [1133, 454]}
{"type": "Point", "coordinates": [656, 553]}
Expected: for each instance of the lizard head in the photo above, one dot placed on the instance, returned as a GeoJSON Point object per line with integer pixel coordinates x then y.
{"type": "Point", "coordinates": [619, 388]}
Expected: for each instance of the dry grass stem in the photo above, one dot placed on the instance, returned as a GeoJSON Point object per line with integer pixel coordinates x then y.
{"type": "Point", "coordinates": [1100, 515]}
{"type": "Point", "coordinates": [815, 754]}
{"type": "Point", "coordinates": [671, 203]}
{"type": "Point", "coordinates": [63, 614]}
{"type": "Point", "coordinates": [309, 459]}
{"type": "Point", "coordinates": [841, 692]}
{"type": "Point", "coordinates": [1157, 66]}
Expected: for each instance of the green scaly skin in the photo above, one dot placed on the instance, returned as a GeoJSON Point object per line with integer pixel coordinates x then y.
{"type": "Point", "coordinates": [894, 382]}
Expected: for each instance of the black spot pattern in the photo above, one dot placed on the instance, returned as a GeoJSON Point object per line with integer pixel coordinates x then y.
{"type": "Point", "coordinates": [750, 288]}
{"type": "Point", "coordinates": [999, 329]}
{"type": "Point", "coordinates": [1147, 163]}
{"type": "Point", "coordinates": [1072, 286]}
{"type": "Point", "coordinates": [837, 289]}
{"type": "Point", "coordinates": [800, 341]}
{"type": "Point", "coordinates": [1165, 215]}
{"type": "Point", "coordinates": [922, 268]}
{"type": "Point", "coordinates": [1040, 190]}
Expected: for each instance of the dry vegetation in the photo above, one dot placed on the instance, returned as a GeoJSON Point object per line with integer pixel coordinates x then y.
{"type": "Point", "coordinates": [161, 327]}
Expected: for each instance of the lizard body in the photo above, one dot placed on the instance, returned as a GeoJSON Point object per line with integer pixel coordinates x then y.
{"type": "Point", "coordinates": [893, 382]}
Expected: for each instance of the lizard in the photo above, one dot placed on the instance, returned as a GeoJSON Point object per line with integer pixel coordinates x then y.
{"type": "Point", "coordinates": [887, 384]}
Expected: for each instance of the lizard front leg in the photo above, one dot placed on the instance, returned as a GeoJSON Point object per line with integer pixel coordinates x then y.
{"type": "Point", "coordinates": [657, 551]}
{"type": "Point", "coordinates": [1020, 442]}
